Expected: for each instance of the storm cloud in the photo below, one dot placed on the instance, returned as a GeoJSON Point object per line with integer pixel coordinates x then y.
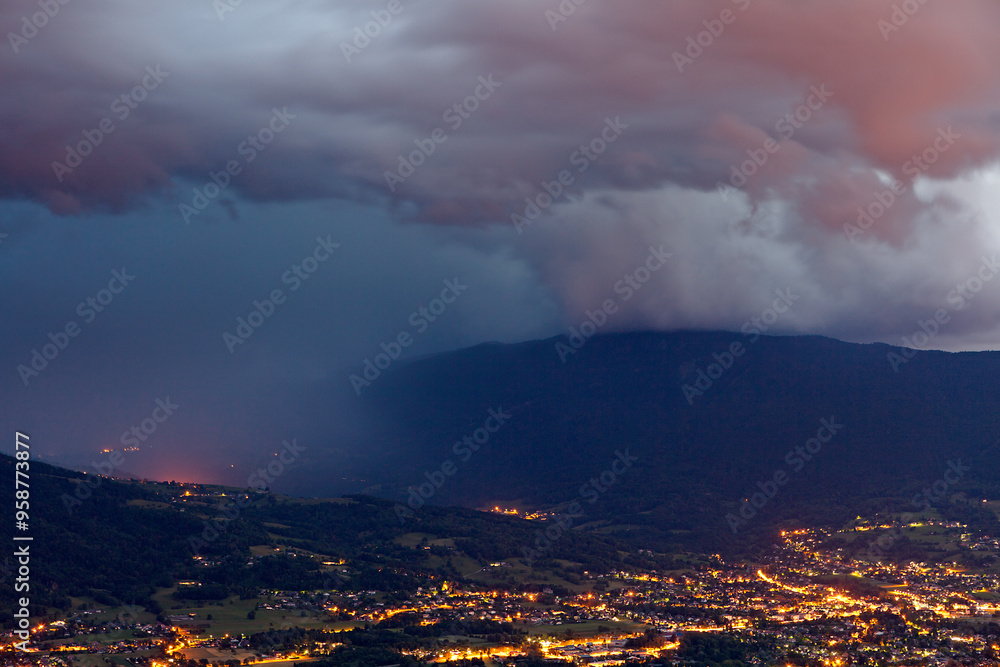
{"type": "Point", "coordinates": [843, 150]}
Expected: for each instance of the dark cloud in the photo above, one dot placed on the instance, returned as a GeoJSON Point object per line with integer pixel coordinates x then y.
{"type": "Point", "coordinates": [162, 336]}
{"type": "Point", "coordinates": [630, 132]}
{"type": "Point", "coordinates": [222, 78]}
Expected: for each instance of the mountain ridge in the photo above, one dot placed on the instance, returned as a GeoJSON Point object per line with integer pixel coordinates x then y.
{"type": "Point", "coordinates": [709, 424]}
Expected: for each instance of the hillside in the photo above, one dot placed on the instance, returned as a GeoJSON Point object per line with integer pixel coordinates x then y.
{"type": "Point", "coordinates": [114, 543]}
{"type": "Point", "coordinates": [700, 455]}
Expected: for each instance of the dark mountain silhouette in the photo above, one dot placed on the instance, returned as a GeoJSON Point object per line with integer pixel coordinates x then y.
{"type": "Point", "coordinates": [704, 436]}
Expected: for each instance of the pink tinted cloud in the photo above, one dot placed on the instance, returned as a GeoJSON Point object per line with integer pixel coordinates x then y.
{"type": "Point", "coordinates": [558, 86]}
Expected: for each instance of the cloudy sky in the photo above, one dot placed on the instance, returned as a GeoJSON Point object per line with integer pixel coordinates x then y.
{"type": "Point", "coordinates": [176, 162]}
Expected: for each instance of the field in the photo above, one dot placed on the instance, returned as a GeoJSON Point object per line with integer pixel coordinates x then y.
{"type": "Point", "coordinates": [229, 616]}
{"type": "Point", "coordinates": [924, 543]}
{"type": "Point", "coordinates": [99, 660]}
